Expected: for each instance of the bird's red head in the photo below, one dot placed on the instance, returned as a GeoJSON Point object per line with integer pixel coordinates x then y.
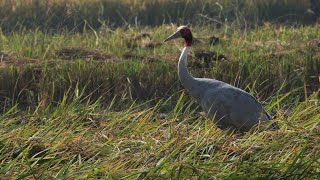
{"type": "Point", "coordinates": [184, 32]}
{"type": "Point", "coordinates": [187, 35]}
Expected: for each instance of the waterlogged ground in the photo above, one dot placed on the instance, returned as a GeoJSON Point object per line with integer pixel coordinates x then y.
{"type": "Point", "coordinates": [107, 103]}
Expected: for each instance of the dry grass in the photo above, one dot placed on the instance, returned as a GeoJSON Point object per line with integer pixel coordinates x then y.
{"type": "Point", "coordinates": [79, 141]}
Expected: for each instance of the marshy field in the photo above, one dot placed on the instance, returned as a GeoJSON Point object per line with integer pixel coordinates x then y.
{"type": "Point", "coordinates": [88, 90]}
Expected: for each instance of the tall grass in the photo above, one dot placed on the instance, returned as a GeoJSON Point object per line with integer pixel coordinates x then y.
{"type": "Point", "coordinates": [80, 140]}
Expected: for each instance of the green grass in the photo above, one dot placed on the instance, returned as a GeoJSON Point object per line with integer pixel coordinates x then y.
{"type": "Point", "coordinates": [87, 116]}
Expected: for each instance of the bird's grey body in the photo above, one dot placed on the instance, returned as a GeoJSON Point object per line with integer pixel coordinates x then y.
{"type": "Point", "coordinates": [230, 107]}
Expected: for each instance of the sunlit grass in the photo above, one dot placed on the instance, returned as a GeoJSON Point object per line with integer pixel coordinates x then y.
{"type": "Point", "coordinates": [80, 140]}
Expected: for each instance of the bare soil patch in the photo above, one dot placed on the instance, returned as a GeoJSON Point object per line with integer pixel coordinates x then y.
{"type": "Point", "coordinates": [130, 55]}
{"type": "Point", "coordinates": [7, 60]}
{"type": "Point", "coordinates": [143, 40]}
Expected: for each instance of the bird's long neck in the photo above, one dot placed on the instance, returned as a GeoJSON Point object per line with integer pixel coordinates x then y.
{"type": "Point", "coordinates": [186, 79]}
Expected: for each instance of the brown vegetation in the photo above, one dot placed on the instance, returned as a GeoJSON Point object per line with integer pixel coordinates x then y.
{"type": "Point", "coordinates": [7, 60]}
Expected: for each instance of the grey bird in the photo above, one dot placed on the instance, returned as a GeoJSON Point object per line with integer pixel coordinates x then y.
{"type": "Point", "coordinates": [230, 107]}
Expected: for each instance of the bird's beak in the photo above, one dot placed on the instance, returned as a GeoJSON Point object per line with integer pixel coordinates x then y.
{"type": "Point", "coordinates": [173, 36]}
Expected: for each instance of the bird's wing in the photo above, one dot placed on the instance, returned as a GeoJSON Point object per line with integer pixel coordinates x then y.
{"type": "Point", "coordinates": [265, 113]}
{"type": "Point", "coordinates": [235, 106]}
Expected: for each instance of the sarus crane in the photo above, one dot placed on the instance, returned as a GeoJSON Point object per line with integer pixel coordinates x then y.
{"type": "Point", "coordinates": [231, 108]}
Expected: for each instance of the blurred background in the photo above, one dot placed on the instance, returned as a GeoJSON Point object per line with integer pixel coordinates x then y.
{"type": "Point", "coordinates": [55, 15]}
